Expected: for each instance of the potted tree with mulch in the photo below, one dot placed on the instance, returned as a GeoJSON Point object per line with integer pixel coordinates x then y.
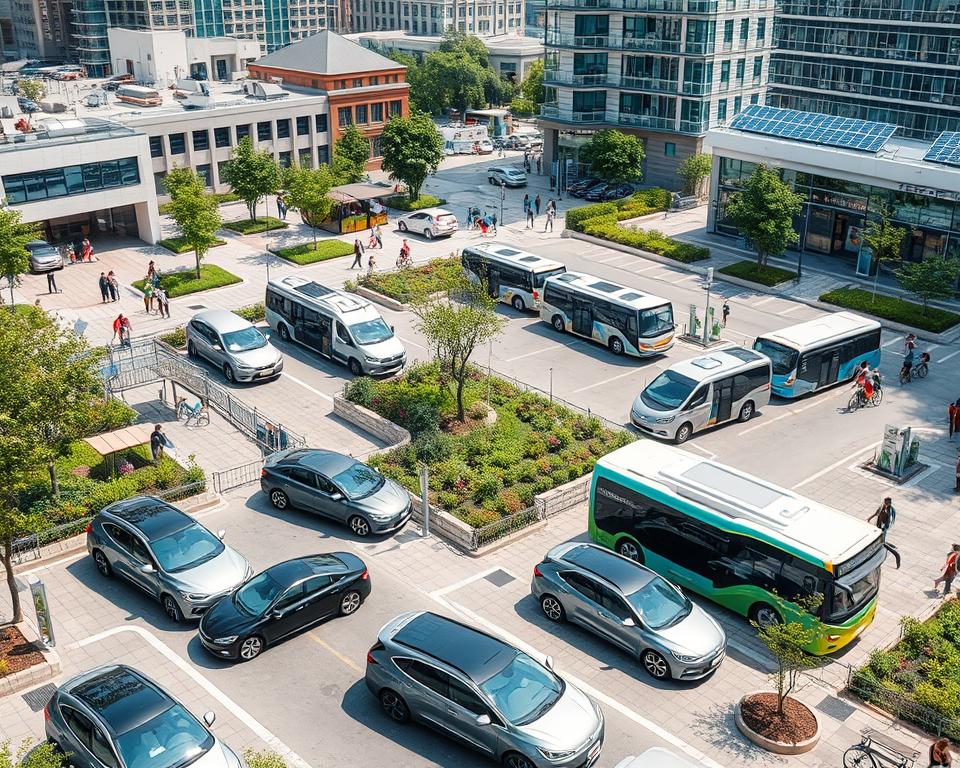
{"type": "Point", "coordinates": [775, 720]}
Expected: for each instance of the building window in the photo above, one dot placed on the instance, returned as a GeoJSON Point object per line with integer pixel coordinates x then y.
{"type": "Point", "coordinates": [361, 111]}
{"type": "Point", "coordinates": [376, 113]}
{"type": "Point", "coordinates": [156, 146]}
{"type": "Point", "coordinates": [242, 131]}
{"type": "Point", "coordinates": [755, 98]}
{"type": "Point", "coordinates": [375, 149]}
{"type": "Point", "coordinates": [203, 171]}
{"type": "Point", "coordinates": [669, 149]}
{"type": "Point", "coordinates": [341, 84]}
{"type": "Point", "coordinates": [159, 187]}
{"type": "Point", "coordinates": [374, 80]}
{"type": "Point", "coordinates": [396, 107]}
{"type": "Point", "coordinates": [757, 68]}
{"type": "Point", "coordinates": [221, 137]}
{"type": "Point", "coordinates": [321, 122]}
{"type": "Point", "coordinates": [761, 30]}
{"type": "Point", "coordinates": [283, 129]}
{"type": "Point", "coordinates": [344, 116]}
{"type": "Point", "coordinates": [740, 67]}
{"type": "Point", "coordinates": [736, 105]}
{"type": "Point", "coordinates": [71, 180]}
{"type": "Point", "coordinates": [285, 159]}
{"type": "Point", "coordinates": [305, 158]}
{"type": "Point", "coordinates": [358, 82]}
{"type": "Point", "coordinates": [721, 110]}
{"type": "Point", "coordinates": [728, 31]}
{"type": "Point", "coordinates": [264, 131]}
{"type": "Point", "coordinates": [323, 154]}
{"type": "Point", "coordinates": [303, 126]}
{"type": "Point", "coordinates": [201, 141]}
{"type": "Point", "coordinates": [744, 30]}
{"type": "Point", "coordinates": [178, 144]}
{"type": "Point", "coordinates": [724, 74]}
{"type": "Point", "coordinates": [221, 167]}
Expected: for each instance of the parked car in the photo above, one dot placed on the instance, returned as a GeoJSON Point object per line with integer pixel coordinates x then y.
{"type": "Point", "coordinates": [482, 692]}
{"type": "Point", "coordinates": [166, 553]}
{"type": "Point", "coordinates": [114, 82]}
{"type": "Point", "coordinates": [517, 141]}
{"type": "Point", "coordinates": [338, 487]}
{"type": "Point", "coordinates": [508, 175]}
{"type": "Point", "coordinates": [284, 599]}
{"type": "Point", "coordinates": [587, 188]}
{"type": "Point", "coordinates": [236, 346]}
{"type": "Point", "coordinates": [429, 222]}
{"type": "Point", "coordinates": [484, 147]}
{"type": "Point", "coordinates": [116, 716]}
{"type": "Point", "coordinates": [44, 257]}
{"type": "Point", "coordinates": [609, 192]}
{"type": "Point", "coordinates": [583, 184]}
{"type": "Point", "coordinates": [631, 606]}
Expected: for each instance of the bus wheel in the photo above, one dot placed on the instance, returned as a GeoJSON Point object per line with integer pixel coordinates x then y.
{"type": "Point", "coordinates": [683, 433]}
{"type": "Point", "coordinates": [616, 346]}
{"type": "Point", "coordinates": [283, 331]}
{"type": "Point", "coordinates": [746, 411]}
{"type": "Point", "coordinates": [518, 304]}
{"type": "Point", "coordinates": [628, 548]}
{"type": "Point", "coordinates": [558, 324]}
{"type": "Point", "coordinates": [765, 615]}
{"type": "Point", "coordinates": [355, 368]}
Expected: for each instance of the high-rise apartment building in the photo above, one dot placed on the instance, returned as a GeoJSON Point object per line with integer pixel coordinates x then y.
{"type": "Point", "coordinates": [483, 18]}
{"type": "Point", "coordinates": [870, 59]}
{"type": "Point", "coordinates": [41, 28]}
{"type": "Point", "coordinates": [664, 70]}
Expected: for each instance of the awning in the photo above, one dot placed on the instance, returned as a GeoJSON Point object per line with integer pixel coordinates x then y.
{"type": "Point", "coordinates": [348, 193]}
{"type": "Point", "coordinates": [120, 439]}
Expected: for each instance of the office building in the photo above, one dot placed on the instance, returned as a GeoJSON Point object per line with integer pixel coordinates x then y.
{"type": "Point", "coordinates": [894, 63]}
{"type": "Point", "coordinates": [41, 28]}
{"type": "Point", "coordinates": [483, 19]}
{"type": "Point", "coordinates": [664, 70]}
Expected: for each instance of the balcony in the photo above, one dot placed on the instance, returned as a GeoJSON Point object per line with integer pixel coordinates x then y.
{"type": "Point", "coordinates": [589, 115]}
{"type": "Point", "coordinates": [648, 84]}
{"type": "Point", "coordinates": [691, 88]}
{"type": "Point", "coordinates": [704, 46]}
{"type": "Point", "coordinates": [567, 40]}
{"type": "Point", "coordinates": [694, 126]}
{"type": "Point", "coordinates": [646, 121]}
{"type": "Point", "coordinates": [651, 6]}
{"type": "Point", "coordinates": [580, 117]}
{"type": "Point", "coordinates": [650, 43]}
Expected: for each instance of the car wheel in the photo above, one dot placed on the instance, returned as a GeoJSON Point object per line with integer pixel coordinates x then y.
{"type": "Point", "coordinates": [516, 760]}
{"type": "Point", "coordinates": [394, 706]}
{"type": "Point", "coordinates": [279, 499]}
{"type": "Point", "coordinates": [359, 526]}
{"type": "Point", "coordinates": [284, 332]}
{"type": "Point", "coordinates": [228, 373]}
{"type": "Point", "coordinates": [490, 180]}
{"type": "Point", "coordinates": [558, 324]}
{"type": "Point", "coordinates": [616, 346]}
{"type": "Point", "coordinates": [349, 603]}
{"type": "Point", "coordinates": [746, 411]}
{"type": "Point", "coordinates": [402, 226]}
{"type": "Point", "coordinates": [518, 304]}
{"type": "Point", "coordinates": [629, 548]}
{"type": "Point", "coordinates": [171, 608]}
{"type": "Point", "coordinates": [355, 368]}
{"type": "Point", "coordinates": [250, 648]}
{"type": "Point", "coordinates": [683, 433]}
{"type": "Point", "coordinates": [103, 565]}
{"type": "Point", "coordinates": [428, 234]}
{"type": "Point", "coordinates": [765, 615]}
{"type": "Point", "coordinates": [191, 349]}
{"type": "Point", "coordinates": [552, 608]}
{"type": "Point", "coordinates": [655, 664]}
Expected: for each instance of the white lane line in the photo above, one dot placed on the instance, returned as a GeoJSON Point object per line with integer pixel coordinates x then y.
{"type": "Point", "coordinates": [411, 343]}
{"type": "Point", "coordinates": [235, 709]}
{"type": "Point", "coordinates": [646, 268]}
{"type": "Point", "coordinates": [952, 354]}
{"type": "Point", "coordinates": [833, 466]}
{"type": "Point", "coordinates": [764, 423]}
{"type": "Point", "coordinates": [538, 351]}
{"type": "Point", "coordinates": [894, 340]}
{"type": "Point", "coordinates": [306, 386]}
{"type": "Point", "coordinates": [610, 258]}
{"type": "Point", "coordinates": [607, 381]}
{"type": "Point", "coordinates": [708, 454]}
{"type": "Point", "coordinates": [53, 564]}
{"type": "Point", "coordinates": [762, 301]}
{"type": "Point", "coordinates": [792, 309]}
{"type": "Point", "coordinates": [438, 594]}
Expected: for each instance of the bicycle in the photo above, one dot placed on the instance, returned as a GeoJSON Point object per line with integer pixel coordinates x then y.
{"type": "Point", "coordinates": [877, 750]}
{"type": "Point", "coordinates": [859, 399]}
{"type": "Point", "coordinates": [192, 415]}
{"type": "Point", "coordinates": [404, 261]}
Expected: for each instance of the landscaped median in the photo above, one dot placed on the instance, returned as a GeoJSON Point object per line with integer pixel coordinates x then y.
{"type": "Point", "coordinates": [892, 308]}
{"type": "Point", "coordinates": [310, 253]}
{"type": "Point", "coordinates": [185, 281]}
{"type": "Point", "coordinates": [180, 244]}
{"type": "Point", "coordinates": [405, 284]}
{"type": "Point", "coordinates": [404, 203]}
{"type": "Point", "coordinates": [255, 226]}
{"type": "Point", "coordinates": [766, 275]}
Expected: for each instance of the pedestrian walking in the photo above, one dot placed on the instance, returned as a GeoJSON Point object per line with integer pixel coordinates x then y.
{"type": "Point", "coordinates": [484, 226]}
{"type": "Point", "coordinates": [953, 418]}
{"type": "Point", "coordinates": [536, 203]}
{"type": "Point", "coordinates": [148, 297]}
{"type": "Point", "coordinates": [526, 204]}
{"type": "Point", "coordinates": [371, 263]}
{"type": "Point", "coordinates": [372, 240]}
{"type": "Point", "coordinates": [378, 235]}
{"type": "Point", "coordinates": [157, 442]}
{"type": "Point", "coordinates": [357, 254]}
{"type": "Point", "coordinates": [957, 486]}
{"type": "Point", "coordinates": [86, 253]}
{"type": "Point", "coordinates": [104, 288]}
{"type": "Point", "coordinates": [539, 165]}
{"type": "Point", "coordinates": [122, 329]}
{"type": "Point", "coordinates": [163, 303]}
{"type": "Point", "coordinates": [949, 571]}
{"type": "Point", "coordinates": [52, 283]}
{"type": "Point", "coordinates": [726, 313]}
{"type": "Point", "coordinates": [549, 222]}
{"type": "Point", "coordinates": [885, 515]}
{"type": "Point", "coordinates": [281, 207]}
{"type": "Point", "coordinates": [530, 219]}
{"type": "Point", "coordinates": [114, 286]}
{"type": "Point", "coordinates": [493, 222]}
{"type": "Point", "coordinates": [552, 204]}
{"type": "Point", "coordinates": [940, 756]}
{"type": "Point", "coordinates": [152, 272]}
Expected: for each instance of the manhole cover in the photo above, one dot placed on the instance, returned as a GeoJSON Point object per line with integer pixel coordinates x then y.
{"type": "Point", "coordinates": [37, 698]}
{"type": "Point", "coordinates": [499, 578]}
{"type": "Point", "coordinates": [196, 306]}
{"type": "Point", "coordinates": [836, 708]}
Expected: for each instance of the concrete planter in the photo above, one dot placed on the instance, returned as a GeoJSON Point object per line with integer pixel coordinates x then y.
{"type": "Point", "coordinates": [38, 673]}
{"type": "Point", "coordinates": [777, 747]}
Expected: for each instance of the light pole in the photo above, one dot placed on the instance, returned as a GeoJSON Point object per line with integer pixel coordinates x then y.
{"type": "Point", "coordinates": [708, 283]}
{"type": "Point", "coordinates": [503, 194]}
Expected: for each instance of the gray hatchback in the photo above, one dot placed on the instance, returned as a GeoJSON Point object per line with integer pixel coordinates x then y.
{"type": "Point", "coordinates": [44, 257]}
{"type": "Point", "coordinates": [335, 486]}
{"type": "Point", "coordinates": [631, 606]}
{"type": "Point", "coordinates": [236, 346]}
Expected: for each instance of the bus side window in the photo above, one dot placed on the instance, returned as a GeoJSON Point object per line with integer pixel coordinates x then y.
{"type": "Point", "coordinates": [617, 509]}
{"type": "Point", "coordinates": [741, 386]}
{"type": "Point", "coordinates": [796, 581]}
{"type": "Point", "coordinates": [699, 397]}
{"type": "Point", "coordinates": [809, 369]}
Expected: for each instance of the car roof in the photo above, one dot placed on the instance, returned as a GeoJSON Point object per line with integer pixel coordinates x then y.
{"type": "Point", "coordinates": [39, 244]}
{"type": "Point", "coordinates": [121, 697]}
{"type": "Point", "coordinates": [626, 574]}
{"type": "Point", "coordinates": [327, 462]}
{"type": "Point", "coordinates": [151, 516]}
{"type": "Point", "coordinates": [222, 320]}
{"type": "Point", "coordinates": [299, 568]}
{"type": "Point", "coordinates": [476, 654]}
{"type": "Point", "coordinates": [435, 211]}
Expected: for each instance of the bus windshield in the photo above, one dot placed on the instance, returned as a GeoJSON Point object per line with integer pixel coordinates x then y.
{"type": "Point", "coordinates": [668, 391]}
{"type": "Point", "coordinates": [783, 358]}
{"type": "Point", "coordinates": [848, 598]}
{"type": "Point", "coordinates": [656, 321]}
{"type": "Point", "coordinates": [371, 332]}
{"type": "Point", "coordinates": [540, 277]}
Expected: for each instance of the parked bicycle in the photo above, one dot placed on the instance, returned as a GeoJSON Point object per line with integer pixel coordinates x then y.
{"type": "Point", "coordinates": [877, 750]}
{"type": "Point", "coordinates": [195, 415]}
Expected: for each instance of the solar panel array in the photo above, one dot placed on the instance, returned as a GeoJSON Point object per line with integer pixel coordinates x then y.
{"type": "Point", "coordinates": [846, 132]}
{"type": "Point", "coordinates": [946, 149]}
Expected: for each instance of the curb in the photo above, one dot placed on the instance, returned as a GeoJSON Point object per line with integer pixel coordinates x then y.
{"type": "Point", "coordinates": [777, 747]}
{"type": "Point", "coordinates": [38, 673]}
{"type": "Point", "coordinates": [379, 298]}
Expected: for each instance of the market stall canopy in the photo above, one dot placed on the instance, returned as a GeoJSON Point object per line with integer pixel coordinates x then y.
{"type": "Point", "coordinates": [348, 193]}
{"type": "Point", "coordinates": [120, 439]}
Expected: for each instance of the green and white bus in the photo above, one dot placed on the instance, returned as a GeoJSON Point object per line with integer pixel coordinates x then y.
{"type": "Point", "coordinates": [738, 540]}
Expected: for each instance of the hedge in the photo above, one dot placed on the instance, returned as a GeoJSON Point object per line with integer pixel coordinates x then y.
{"type": "Point", "coordinates": [180, 245]}
{"type": "Point", "coordinates": [748, 270]}
{"type": "Point", "coordinates": [310, 253]}
{"type": "Point", "coordinates": [608, 228]}
{"type": "Point", "coordinates": [403, 202]}
{"type": "Point", "coordinates": [892, 308]}
{"type": "Point", "coordinates": [421, 280]}
{"type": "Point", "coordinates": [185, 281]}
{"type": "Point", "coordinates": [255, 226]}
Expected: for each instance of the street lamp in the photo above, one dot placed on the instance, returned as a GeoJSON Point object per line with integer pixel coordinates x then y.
{"type": "Point", "coordinates": [503, 194]}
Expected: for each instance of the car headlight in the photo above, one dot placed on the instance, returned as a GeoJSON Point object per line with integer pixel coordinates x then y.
{"type": "Point", "coordinates": [248, 573]}
{"type": "Point", "coordinates": [226, 640]}
{"type": "Point", "coordinates": [383, 515]}
{"type": "Point", "coordinates": [556, 755]}
{"type": "Point", "coordinates": [666, 419]}
{"type": "Point", "coordinates": [373, 359]}
{"type": "Point", "coordinates": [192, 597]}
{"type": "Point", "coordinates": [686, 659]}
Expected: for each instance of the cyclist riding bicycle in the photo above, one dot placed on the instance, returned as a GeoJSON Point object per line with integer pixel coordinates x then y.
{"type": "Point", "coordinates": [907, 360]}
{"type": "Point", "coordinates": [865, 380]}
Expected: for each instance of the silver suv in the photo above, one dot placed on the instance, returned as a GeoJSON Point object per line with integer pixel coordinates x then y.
{"type": "Point", "coordinates": [482, 692]}
{"type": "Point", "coordinates": [234, 345]}
{"type": "Point", "coordinates": [631, 606]}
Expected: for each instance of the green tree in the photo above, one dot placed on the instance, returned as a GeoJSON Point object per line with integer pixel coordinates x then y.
{"type": "Point", "coordinates": [522, 107]}
{"type": "Point", "coordinates": [496, 89]}
{"type": "Point", "coordinates": [308, 191]}
{"type": "Point", "coordinates": [251, 174]}
{"type": "Point", "coordinates": [43, 755]}
{"type": "Point", "coordinates": [614, 156]}
{"type": "Point", "coordinates": [456, 324]}
{"type": "Point", "coordinates": [196, 213]}
{"type": "Point", "coordinates": [884, 240]}
{"type": "Point", "coordinates": [532, 86]}
{"type": "Point", "coordinates": [14, 236]}
{"type": "Point", "coordinates": [469, 45]}
{"type": "Point", "coordinates": [692, 171]}
{"type": "Point", "coordinates": [933, 278]}
{"type": "Point", "coordinates": [350, 154]}
{"type": "Point", "coordinates": [34, 90]}
{"type": "Point", "coordinates": [763, 211]}
{"type": "Point", "coordinates": [412, 149]}
{"type": "Point", "coordinates": [451, 79]}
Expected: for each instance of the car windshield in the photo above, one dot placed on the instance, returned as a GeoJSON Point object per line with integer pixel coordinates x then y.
{"type": "Point", "coordinates": [359, 480]}
{"type": "Point", "coordinates": [539, 278]}
{"type": "Point", "coordinates": [187, 548]}
{"type": "Point", "coordinates": [668, 391]}
{"type": "Point", "coordinates": [255, 596]}
{"type": "Point", "coordinates": [371, 332]}
{"type": "Point", "coordinates": [853, 596]}
{"type": "Point", "coordinates": [656, 321]}
{"type": "Point", "coordinates": [241, 341]}
{"type": "Point", "coordinates": [783, 358]}
{"type": "Point", "coordinates": [523, 690]}
{"type": "Point", "coordinates": [659, 604]}
{"type": "Point", "coordinates": [172, 739]}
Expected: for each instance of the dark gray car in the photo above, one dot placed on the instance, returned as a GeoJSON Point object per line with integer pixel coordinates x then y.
{"type": "Point", "coordinates": [44, 257]}
{"type": "Point", "coordinates": [115, 717]}
{"type": "Point", "coordinates": [335, 486]}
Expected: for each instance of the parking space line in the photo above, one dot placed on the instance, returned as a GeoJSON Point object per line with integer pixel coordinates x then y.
{"type": "Point", "coordinates": [792, 309]}
{"type": "Point", "coordinates": [611, 258]}
{"type": "Point", "coordinates": [411, 343]}
{"type": "Point", "coordinates": [952, 354]}
{"type": "Point", "coordinates": [645, 268]}
{"type": "Point", "coordinates": [334, 652]}
{"type": "Point", "coordinates": [894, 340]}
{"type": "Point", "coordinates": [833, 466]}
{"type": "Point", "coordinates": [538, 351]}
{"type": "Point", "coordinates": [438, 594]}
{"type": "Point", "coordinates": [763, 301]}
{"type": "Point", "coordinates": [306, 386]}
{"type": "Point", "coordinates": [235, 709]}
{"type": "Point", "coordinates": [607, 381]}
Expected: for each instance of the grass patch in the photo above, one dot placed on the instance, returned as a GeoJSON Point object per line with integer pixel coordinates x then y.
{"type": "Point", "coordinates": [481, 473]}
{"type": "Point", "coordinates": [221, 198]}
{"type": "Point", "coordinates": [403, 285]}
{"type": "Point", "coordinates": [748, 270]}
{"type": "Point", "coordinates": [310, 253]}
{"type": "Point", "coordinates": [179, 245]}
{"type": "Point", "coordinates": [185, 281]}
{"type": "Point", "coordinates": [255, 226]}
{"type": "Point", "coordinates": [892, 308]}
{"type": "Point", "coordinates": [404, 203]}
{"type": "Point", "coordinates": [177, 338]}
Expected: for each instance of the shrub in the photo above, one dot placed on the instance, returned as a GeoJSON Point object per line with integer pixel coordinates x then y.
{"type": "Point", "coordinates": [404, 203]}
{"type": "Point", "coordinates": [255, 226]}
{"type": "Point", "coordinates": [254, 313]}
{"type": "Point", "coordinates": [891, 308]}
{"type": "Point", "coordinates": [422, 280]}
{"type": "Point", "coordinates": [508, 502]}
{"type": "Point", "coordinates": [4, 667]}
{"type": "Point", "coordinates": [311, 253]}
{"type": "Point", "coordinates": [176, 338]}
{"type": "Point", "coordinates": [585, 427]}
{"type": "Point", "coordinates": [361, 391]}
{"type": "Point", "coordinates": [180, 245]}
{"type": "Point", "coordinates": [111, 414]}
{"type": "Point", "coordinates": [576, 217]}
{"type": "Point", "coordinates": [477, 410]}
{"type": "Point", "coordinates": [264, 759]}
{"type": "Point", "coordinates": [607, 228]}
{"type": "Point", "coordinates": [185, 281]}
{"type": "Point", "coordinates": [432, 446]}
{"type": "Point", "coordinates": [486, 487]}
{"type": "Point", "coordinates": [477, 518]}
{"type": "Point", "coordinates": [748, 270]}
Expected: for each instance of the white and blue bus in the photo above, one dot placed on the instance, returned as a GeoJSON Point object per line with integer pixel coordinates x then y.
{"type": "Point", "coordinates": [624, 319]}
{"type": "Point", "coordinates": [810, 356]}
{"type": "Point", "coordinates": [512, 276]}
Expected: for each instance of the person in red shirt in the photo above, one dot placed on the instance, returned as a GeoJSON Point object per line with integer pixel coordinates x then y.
{"type": "Point", "coordinates": [949, 572]}
{"type": "Point", "coordinates": [953, 416]}
{"type": "Point", "coordinates": [865, 381]}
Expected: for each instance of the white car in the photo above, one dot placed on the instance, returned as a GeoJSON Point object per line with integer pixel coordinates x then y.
{"type": "Point", "coordinates": [430, 222]}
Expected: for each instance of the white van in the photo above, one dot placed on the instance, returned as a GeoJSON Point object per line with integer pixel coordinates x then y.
{"type": "Point", "coordinates": [657, 757]}
{"type": "Point", "coordinates": [719, 386]}
{"type": "Point", "coordinates": [338, 325]}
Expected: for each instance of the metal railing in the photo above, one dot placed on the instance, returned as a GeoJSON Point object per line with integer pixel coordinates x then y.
{"type": "Point", "coordinates": [897, 704]}
{"type": "Point", "coordinates": [491, 532]}
{"type": "Point", "coordinates": [236, 477]}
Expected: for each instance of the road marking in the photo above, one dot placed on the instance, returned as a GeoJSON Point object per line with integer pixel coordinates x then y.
{"type": "Point", "coordinates": [52, 564]}
{"type": "Point", "coordinates": [708, 454]}
{"type": "Point", "coordinates": [952, 354]}
{"type": "Point", "coordinates": [833, 466]}
{"type": "Point", "coordinates": [411, 343]}
{"type": "Point", "coordinates": [235, 709]}
{"type": "Point", "coordinates": [792, 309]}
{"type": "Point", "coordinates": [306, 386]}
{"type": "Point", "coordinates": [607, 381]}
{"type": "Point", "coordinates": [892, 341]}
{"type": "Point", "coordinates": [763, 301]}
{"type": "Point", "coordinates": [438, 594]}
{"type": "Point", "coordinates": [646, 268]}
{"type": "Point", "coordinates": [333, 651]}
{"type": "Point", "coordinates": [612, 258]}
{"type": "Point", "coordinates": [538, 351]}
{"type": "Point", "coordinates": [764, 423]}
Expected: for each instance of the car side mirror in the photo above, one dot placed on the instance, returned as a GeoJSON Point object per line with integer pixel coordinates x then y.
{"type": "Point", "coordinates": [483, 720]}
{"type": "Point", "coordinates": [276, 614]}
{"type": "Point", "coordinates": [628, 622]}
{"type": "Point", "coordinates": [147, 568]}
{"type": "Point", "coordinates": [217, 346]}
{"type": "Point", "coordinates": [209, 718]}
{"type": "Point", "coordinates": [336, 496]}
{"type": "Point", "coordinates": [549, 662]}
{"type": "Point", "coordinates": [221, 533]}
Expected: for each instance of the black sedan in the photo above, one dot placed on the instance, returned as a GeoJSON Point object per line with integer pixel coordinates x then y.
{"type": "Point", "coordinates": [609, 192]}
{"type": "Point", "coordinates": [284, 599]}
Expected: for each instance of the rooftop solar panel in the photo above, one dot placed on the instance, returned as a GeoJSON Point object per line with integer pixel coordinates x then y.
{"type": "Point", "coordinates": [828, 130]}
{"type": "Point", "coordinates": [946, 149]}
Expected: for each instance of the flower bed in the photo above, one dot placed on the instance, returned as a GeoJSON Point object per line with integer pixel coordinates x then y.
{"type": "Point", "coordinates": [185, 281]}
{"type": "Point", "coordinates": [404, 203]}
{"type": "Point", "coordinates": [748, 270]}
{"type": "Point", "coordinates": [180, 245]}
{"type": "Point", "coordinates": [310, 253]}
{"type": "Point", "coordinates": [255, 226]}
{"type": "Point", "coordinates": [16, 652]}
{"type": "Point", "coordinates": [892, 308]}
{"type": "Point", "coordinates": [403, 285]}
{"type": "Point", "coordinates": [177, 338]}
{"type": "Point", "coordinates": [482, 473]}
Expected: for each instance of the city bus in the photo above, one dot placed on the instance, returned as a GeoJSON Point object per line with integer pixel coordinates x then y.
{"type": "Point", "coordinates": [810, 356]}
{"type": "Point", "coordinates": [740, 541]}
{"type": "Point", "coordinates": [513, 276]}
{"type": "Point", "coordinates": [623, 319]}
